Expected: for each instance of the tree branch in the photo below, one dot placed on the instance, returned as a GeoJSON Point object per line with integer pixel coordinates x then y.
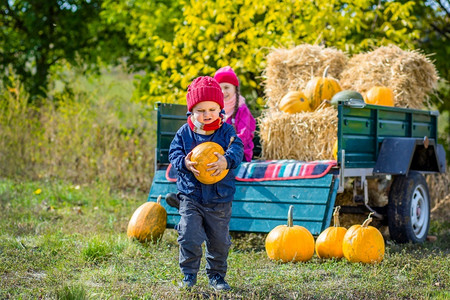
{"type": "Point", "coordinates": [18, 22]}
{"type": "Point", "coordinates": [443, 7]}
{"type": "Point", "coordinates": [442, 32]}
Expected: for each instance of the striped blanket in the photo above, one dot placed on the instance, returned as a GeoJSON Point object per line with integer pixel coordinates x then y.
{"type": "Point", "coordinates": [274, 170]}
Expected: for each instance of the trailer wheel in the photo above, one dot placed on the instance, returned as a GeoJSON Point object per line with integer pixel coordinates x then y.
{"type": "Point", "coordinates": [409, 209]}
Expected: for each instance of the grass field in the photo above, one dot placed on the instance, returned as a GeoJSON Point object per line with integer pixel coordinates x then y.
{"type": "Point", "coordinates": [62, 241]}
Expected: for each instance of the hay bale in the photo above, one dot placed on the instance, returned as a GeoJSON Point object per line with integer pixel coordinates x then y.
{"type": "Point", "coordinates": [438, 187]}
{"type": "Point", "coordinates": [291, 69]}
{"type": "Point", "coordinates": [441, 212]}
{"type": "Point", "coordinates": [303, 136]}
{"type": "Point", "coordinates": [410, 74]}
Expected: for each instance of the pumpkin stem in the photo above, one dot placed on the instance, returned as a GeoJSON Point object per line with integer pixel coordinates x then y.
{"type": "Point", "coordinates": [325, 73]}
{"type": "Point", "coordinates": [159, 199]}
{"type": "Point", "coordinates": [368, 220]}
{"type": "Point", "coordinates": [336, 216]}
{"type": "Point", "coordinates": [290, 218]}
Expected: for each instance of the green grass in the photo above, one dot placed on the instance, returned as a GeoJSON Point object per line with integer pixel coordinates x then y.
{"type": "Point", "coordinates": [69, 242]}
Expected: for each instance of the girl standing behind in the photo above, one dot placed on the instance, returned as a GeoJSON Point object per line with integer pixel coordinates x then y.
{"type": "Point", "coordinates": [236, 111]}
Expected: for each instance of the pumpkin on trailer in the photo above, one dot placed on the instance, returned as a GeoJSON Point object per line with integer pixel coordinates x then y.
{"type": "Point", "coordinates": [290, 243]}
{"type": "Point", "coordinates": [380, 95]}
{"type": "Point", "coordinates": [329, 242]}
{"type": "Point", "coordinates": [148, 222]}
{"type": "Point", "coordinates": [203, 154]}
{"type": "Point", "coordinates": [335, 150]}
{"type": "Point", "coordinates": [321, 88]}
{"type": "Point", "coordinates": [363, 243]}
{"type": "Point", "coordinates": [294, 102]}
{"type": "Point", "coordinates": [346, 95]}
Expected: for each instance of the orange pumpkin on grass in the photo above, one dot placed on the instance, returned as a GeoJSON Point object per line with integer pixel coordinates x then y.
{"type": "Point", "coordinates": [363, 243]}
{"type": "Point", "coordinates": [148, 222]}
{"type": "Point", "coordinates": [290, 243]}
{"type": "Point", "coordinates": [329, 242]}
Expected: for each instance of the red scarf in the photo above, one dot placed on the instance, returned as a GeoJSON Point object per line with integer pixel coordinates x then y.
{"type": "Point", "coordinates": [206, 129]}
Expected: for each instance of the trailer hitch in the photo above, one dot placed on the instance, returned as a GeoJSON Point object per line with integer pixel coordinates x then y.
{"type": "Point", "coordinates": [364, 184]}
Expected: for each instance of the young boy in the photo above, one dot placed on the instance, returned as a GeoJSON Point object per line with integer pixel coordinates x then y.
{"type": "Point", "coordinates": [205, 209]}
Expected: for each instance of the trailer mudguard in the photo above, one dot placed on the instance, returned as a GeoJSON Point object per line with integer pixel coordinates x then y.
{"type": "Point", "coordinates": [441, 158]}
{"type": "Point", "coordinates": [397, 156]}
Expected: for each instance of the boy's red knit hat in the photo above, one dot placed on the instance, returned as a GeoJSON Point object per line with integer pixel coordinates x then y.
{"type": "Point", "coordinates": [226, 74]}
{"type": "Point", "coordinates": [204, 88]}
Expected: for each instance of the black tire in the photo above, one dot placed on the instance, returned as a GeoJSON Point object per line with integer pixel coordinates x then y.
{"type": "Point", "coordinates": [409, 209]}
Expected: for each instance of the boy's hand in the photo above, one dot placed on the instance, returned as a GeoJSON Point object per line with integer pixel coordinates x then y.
{"type": "Point", "coordinates": [190, 164]}
{"type": "Point", "coordinates": [219, 165]}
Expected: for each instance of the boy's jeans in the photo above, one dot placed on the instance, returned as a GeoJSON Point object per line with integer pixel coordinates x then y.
{"type": "Point", "coordinates": [199, 223]}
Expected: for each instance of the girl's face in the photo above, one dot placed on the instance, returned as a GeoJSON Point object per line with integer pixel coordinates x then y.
{"type": "Point", "coordinates": [206, 112]}
{"type": "Point", "coordinates": [228, 90]}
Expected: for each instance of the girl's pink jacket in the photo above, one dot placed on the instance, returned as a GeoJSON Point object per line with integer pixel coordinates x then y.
{"type": "Point", "coordinates": [245, 126]}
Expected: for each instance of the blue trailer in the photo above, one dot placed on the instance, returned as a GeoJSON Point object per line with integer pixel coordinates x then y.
{"type": "Point", "coordinates": [374, 141]}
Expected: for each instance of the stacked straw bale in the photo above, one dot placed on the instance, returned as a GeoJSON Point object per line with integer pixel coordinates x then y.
{"type": "Point", "coordinates": [290, 69]}
{"type": "Point", "coordinates": [304, 136]}
{"type": "Point", "coordinates": [410, 74]}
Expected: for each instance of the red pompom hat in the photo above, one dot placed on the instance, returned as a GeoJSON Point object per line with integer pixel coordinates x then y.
{"type": "Point", "coordinates": [226, 74]}
{"type": "Point", "coordinates": [204, 88]}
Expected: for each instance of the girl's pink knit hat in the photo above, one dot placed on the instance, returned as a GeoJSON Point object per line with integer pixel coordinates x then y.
{"type": "Point", "coordinates": [226, 74]}
{"type": "Point", "coordinates": [204, 88]}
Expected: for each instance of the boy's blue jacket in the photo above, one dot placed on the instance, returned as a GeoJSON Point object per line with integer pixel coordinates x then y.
{"type": "Point", "coordinates": [184, 141]}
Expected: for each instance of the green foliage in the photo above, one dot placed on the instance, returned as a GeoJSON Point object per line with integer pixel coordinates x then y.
{"type": "Point", "coordinates": [90, 132]}
{"type": "Point", "coordinates": [212, 34]}
{"type": "Point", "coordinates": [439, 228]}
{"type": "Point", "coordinates": [74, 292]}
{"type": "Point", "coordinates": [18, 128]}
{"type": "Point", "coordinates": [442, 102]}
{"type": "Point", "coordinates": [433, 21]}
{"type": "Point", "coordinates": [146, 25]}
{"type": "Point", "coordinates": [98, 250]}
{"type": "Point", "coordinates": [37, 34]}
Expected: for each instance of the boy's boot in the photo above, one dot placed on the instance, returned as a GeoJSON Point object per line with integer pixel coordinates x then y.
{"type": "Point", "coordinates": [189, 281]}
{"type": "Point", "coordinates": [218, 283]}
{"type": "Point", "coordinates": [172, 200]}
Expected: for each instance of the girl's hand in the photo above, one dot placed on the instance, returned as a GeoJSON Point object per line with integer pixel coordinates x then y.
{"type": "Point", "coordinates": [219, 165]}
{"type": "Point", "coordinates": [190, 164]}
